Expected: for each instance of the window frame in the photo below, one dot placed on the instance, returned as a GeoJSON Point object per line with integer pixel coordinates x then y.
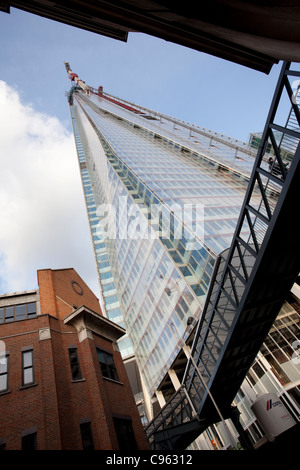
{"type": "Point", "coordinates": [29, 441]}
{"type": "Point", "coordinates": [109, 370]}
{"type": "Point", "coordinates": [25, 368]}
{"type": "Point", "coordinates": [72, 349]}
{"type": "Point", "coordinates": [9, 313]}
{"type": "Point", "coordinates": [5, 373]}
{"type": "Point", "coordinates": [125, 433]}
{"type": "Point", "coordinates": [86, 435]}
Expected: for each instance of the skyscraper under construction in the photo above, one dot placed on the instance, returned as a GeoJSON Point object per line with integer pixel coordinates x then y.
{"type": "Point", "coordinates": [163, 197]}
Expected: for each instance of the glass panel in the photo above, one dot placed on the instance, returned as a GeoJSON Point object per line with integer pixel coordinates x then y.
{"type": "Point", "coordinates": [76, 374]}
{"type": "Point", "coordinates": [109, 360]}
{"type": "Point", "coordinates": [75, 368]}
{"type": "Point", "coordinates": [20, 312]}
{"type": "Point", "coordinates": [73, 356]}
{"type": "Point", "coordinates": [125, 434]}
{"type": "Point", "coordinates": [3, 364]}
{"type": "Point", "coordinates": [86, 436]}
{"type": "Point", "coordinates": [100, 355]}
{"type": "Point", "coordinates": [28, 376]}
{"type": "Point", "coordinates": [107, 365]}
{"type": "Point", "coordinates": [31, 308]}
{"type": "Point", "coordinates": [3, 382]}
{"type": "Point", "coordinates": [1, 314]}
{"type": "Point", "coordinates": [27, 359]}
{"type": "Point", "coordinates": [9, 313]}
{"type": "Point", "coordinates": [104, 369]}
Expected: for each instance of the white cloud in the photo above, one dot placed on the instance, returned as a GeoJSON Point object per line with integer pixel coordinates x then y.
{"type": "Point", "coordinates": [43, 218]}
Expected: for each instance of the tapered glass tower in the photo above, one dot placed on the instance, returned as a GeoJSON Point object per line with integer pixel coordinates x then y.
{"type": "Point", "coordinates": [163, 198]}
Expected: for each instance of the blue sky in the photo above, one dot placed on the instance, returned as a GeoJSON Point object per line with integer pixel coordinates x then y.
{"type": "Point", "coordinates": [43, 220]}
{"type": "Point", "coordinates": [184, 83]}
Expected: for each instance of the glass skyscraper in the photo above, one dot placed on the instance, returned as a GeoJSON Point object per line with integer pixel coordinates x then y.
{"type": "Point", "coordinates": [163, 198]}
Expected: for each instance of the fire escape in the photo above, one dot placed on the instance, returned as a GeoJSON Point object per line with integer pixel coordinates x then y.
{"type": "Point", "coordinates": [250, 283]}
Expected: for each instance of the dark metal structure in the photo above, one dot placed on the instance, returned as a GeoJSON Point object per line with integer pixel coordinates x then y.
{"type": "Point", "coordinates": [250, 283]}
{"type": "Point", "coordinates": [253, 33]}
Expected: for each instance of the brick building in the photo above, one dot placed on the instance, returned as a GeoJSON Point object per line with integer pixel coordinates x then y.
{"type": "Point", "coordinates": [63, 383]}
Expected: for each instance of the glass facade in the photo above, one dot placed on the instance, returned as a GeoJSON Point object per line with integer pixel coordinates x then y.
{"type": "Point", "coordinates": [163, 198]}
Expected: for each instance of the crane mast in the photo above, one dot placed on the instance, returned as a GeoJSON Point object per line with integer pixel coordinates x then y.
{"type": "Point", "coordinates": [74, 77]}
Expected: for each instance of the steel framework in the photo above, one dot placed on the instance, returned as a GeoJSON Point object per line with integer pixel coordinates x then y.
{"type": "Point", "coordinates": [250, 282]}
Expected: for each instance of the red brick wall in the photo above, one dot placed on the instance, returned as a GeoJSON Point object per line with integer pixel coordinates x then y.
{"type": "Point", "coordinates": [56, 404]}
{"type": "Point", "coordinates": [61, 290]}
{"type": "Point", "coordinates": [119, 397]}
{"type": "Point", "coordinates": [25, 407]}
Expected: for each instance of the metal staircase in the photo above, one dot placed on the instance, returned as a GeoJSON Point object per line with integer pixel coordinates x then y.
{"type": "Point", "coordinates": [250, 282]}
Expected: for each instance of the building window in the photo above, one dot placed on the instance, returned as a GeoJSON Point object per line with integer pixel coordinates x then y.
{"type": "Point", "coordinates": [29, 441]}
{"type": "Point", "coordinates": [125, 434]}
{"type": "Point", "coordinates": [17, 312]}
{"type": "Point", "coordinates": [86, 436]}
{"type": "Point", "coordinates": [3, 373]}
{"type": "Point", "coordinates": [107, 364]}
{"type": "Point", "coordinates": [74, 363]}
{"type": "Point", "coordinates": [9, 314]}
{"type": "Point", "coordinates": [27, 367]}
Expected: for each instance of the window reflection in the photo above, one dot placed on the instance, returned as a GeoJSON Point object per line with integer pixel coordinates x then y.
{"type": "Point", "coordinates": [17, 312]}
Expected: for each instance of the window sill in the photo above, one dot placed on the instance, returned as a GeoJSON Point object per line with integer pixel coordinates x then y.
{"type": "Point", "coordinates": [113, 381]}
{"type": "Point", "coordinates": [24, 387]}
{"type": "Point", "coordinates": [4, 392]}
{"type": "Point", "coordinates": [74, 381]}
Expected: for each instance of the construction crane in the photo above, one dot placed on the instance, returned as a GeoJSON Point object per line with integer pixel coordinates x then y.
{"type": "Point", "coordinates": [74, 78]}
